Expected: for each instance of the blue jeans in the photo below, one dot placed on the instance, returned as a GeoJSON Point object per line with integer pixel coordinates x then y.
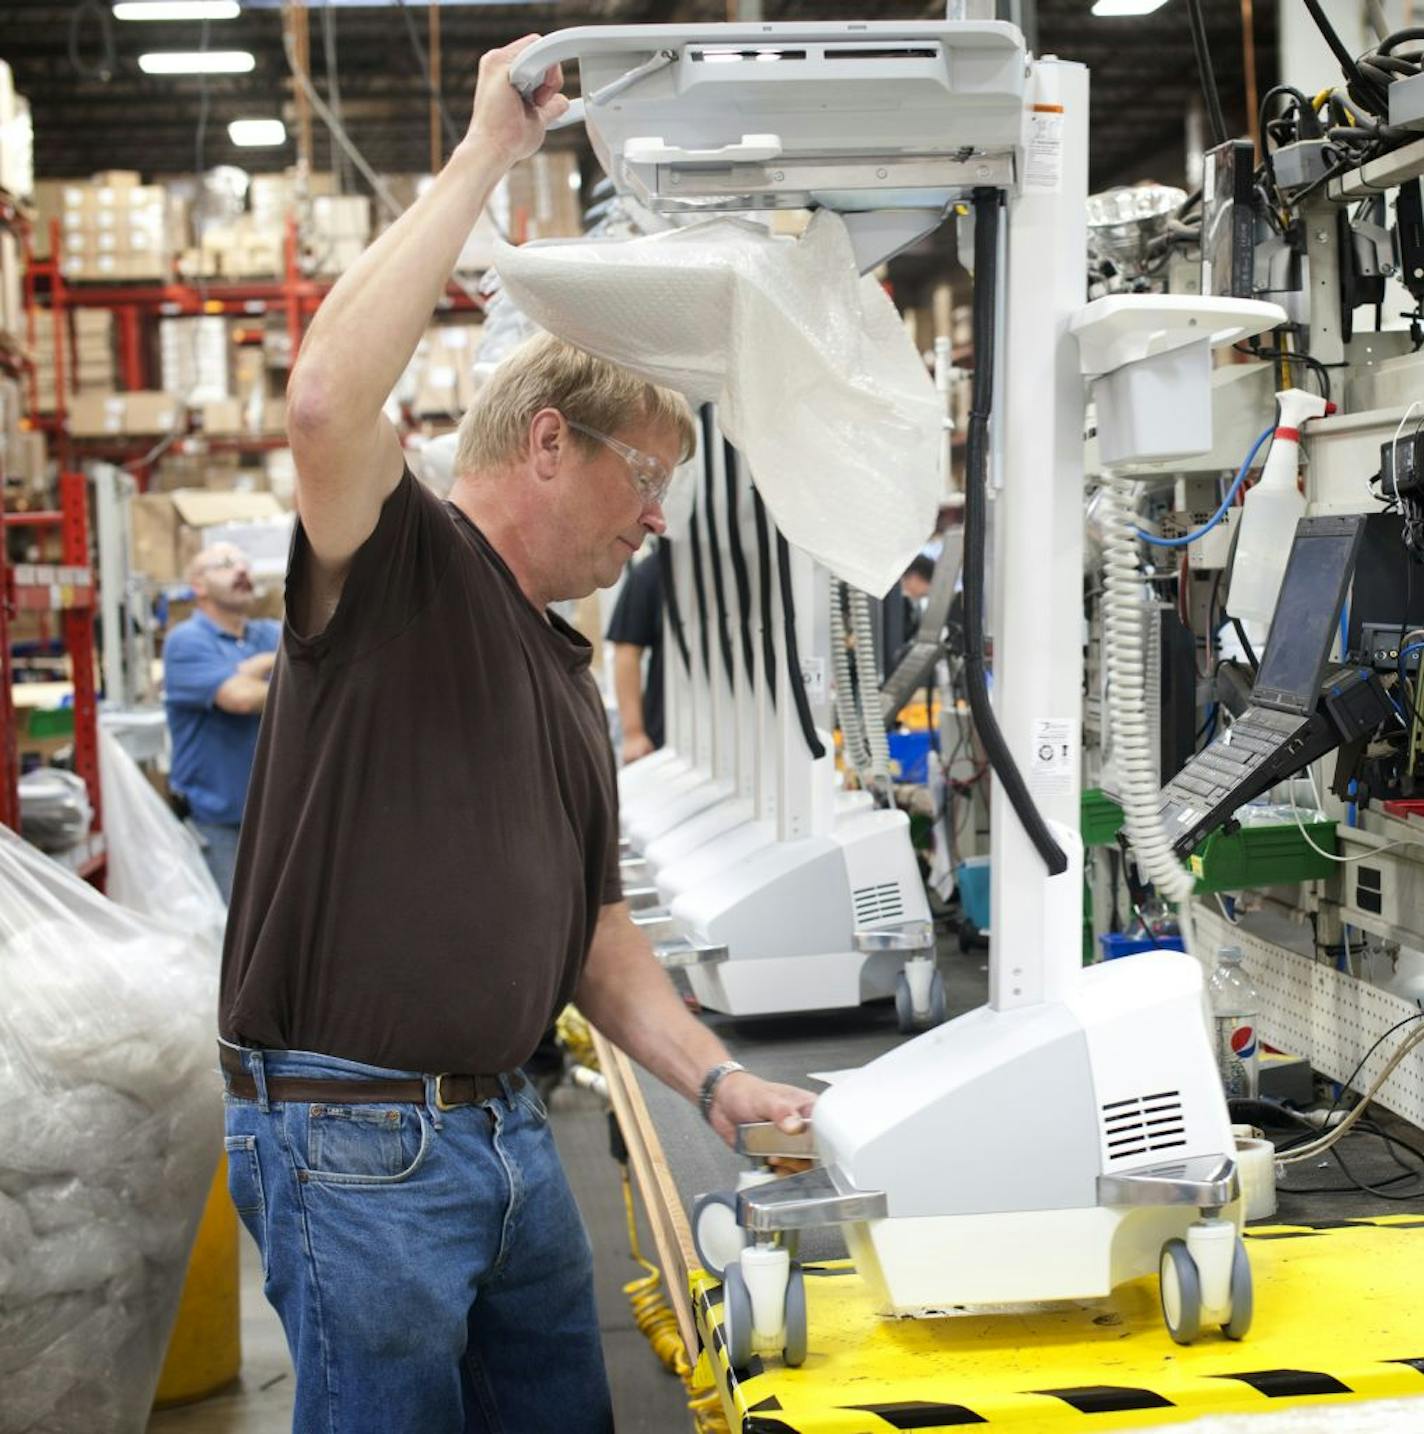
{"type": "Point", "coordinates": [429, 1266]}
{"type": "Point", "coordinates": [220, 853]}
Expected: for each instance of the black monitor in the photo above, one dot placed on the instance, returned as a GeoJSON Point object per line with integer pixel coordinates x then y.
{"type": "Point", "coordinates": [1322, 561]}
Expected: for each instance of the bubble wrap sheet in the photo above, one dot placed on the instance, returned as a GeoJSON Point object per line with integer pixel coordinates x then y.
{"type": "Point", "coordinates": [110, 1125]}
{"type": "Point", "coordinates": [814, 377]}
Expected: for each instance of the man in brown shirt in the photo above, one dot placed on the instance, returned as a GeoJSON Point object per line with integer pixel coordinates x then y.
{"type": "Point", "coordinates": [428, 865]}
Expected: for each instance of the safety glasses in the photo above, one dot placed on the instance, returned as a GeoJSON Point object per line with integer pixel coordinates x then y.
{"type": "Point", "coordinates": [650, 475]}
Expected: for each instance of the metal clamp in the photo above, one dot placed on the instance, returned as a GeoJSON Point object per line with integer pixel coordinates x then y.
{"type": "Point", "coordinates": [906, 937]}
{"type": "Point", "coordinates": [814, 1197]}
{"type": "Point", "coordinates": [764, 1139]}
{"type": "Point", "coordinates": [1206, 1181]}
{"type": "Point", "coordinates": [642, 898]}
{"type": "Point", "coordinates": [681, 952]}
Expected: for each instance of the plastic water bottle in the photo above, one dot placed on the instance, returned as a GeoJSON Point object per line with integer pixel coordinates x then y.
{"type": "Point", "coordinates": [1234, 1007]}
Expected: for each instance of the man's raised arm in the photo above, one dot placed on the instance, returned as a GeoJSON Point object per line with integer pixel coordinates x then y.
{"type": "Point", "coordinates": [348, 457]}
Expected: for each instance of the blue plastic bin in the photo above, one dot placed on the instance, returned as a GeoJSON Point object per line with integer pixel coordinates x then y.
{"type": "Point", "coordinates": [910, 751]}
{"type": "Point", "coordinates": [972, 878]}
{"type": "Point", "coordinates": [1116, 944]}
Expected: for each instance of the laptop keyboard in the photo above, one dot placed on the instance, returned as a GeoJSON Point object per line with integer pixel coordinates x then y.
{"type": "Point", "coordinates": [1213, 774]}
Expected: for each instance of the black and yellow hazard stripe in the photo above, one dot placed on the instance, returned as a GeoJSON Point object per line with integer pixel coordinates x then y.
{"type": "Point", "coordinates": [1112, 1361]}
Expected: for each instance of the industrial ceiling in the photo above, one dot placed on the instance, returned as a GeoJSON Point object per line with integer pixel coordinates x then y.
{"type": "Point", "coordinates": [94, 109]}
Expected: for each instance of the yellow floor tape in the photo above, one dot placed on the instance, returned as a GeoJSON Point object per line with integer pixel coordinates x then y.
{"type": "Point", "coordinates": [1339, 1316]}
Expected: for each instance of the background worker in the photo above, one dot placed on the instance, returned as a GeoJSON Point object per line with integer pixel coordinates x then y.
{"type": "Point", "coordinates": [216, 668]}
{"type": "Point", "coordinates": [636, 632]}
{"type": "Point", "coordinates": [429, 868]}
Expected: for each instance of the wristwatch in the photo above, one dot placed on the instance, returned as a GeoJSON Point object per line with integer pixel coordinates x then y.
{"type": "Point", "coordinates": [710, 1082]}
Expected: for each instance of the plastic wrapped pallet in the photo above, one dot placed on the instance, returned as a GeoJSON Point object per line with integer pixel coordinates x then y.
{"type": "Point", "coordinates": [110, 1127]}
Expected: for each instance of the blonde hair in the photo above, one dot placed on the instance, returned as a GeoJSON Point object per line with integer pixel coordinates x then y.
{"type": "Point", "coordinates": [545, 372]}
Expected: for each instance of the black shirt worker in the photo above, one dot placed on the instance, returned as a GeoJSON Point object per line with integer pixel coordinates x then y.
{"type": "Point", "coordinates": [636, 629]}
{"type": "Point", "coordinates": [428, 865]}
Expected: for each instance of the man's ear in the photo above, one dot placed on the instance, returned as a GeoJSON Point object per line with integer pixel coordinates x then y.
{"type": "Point", "coordinates": [548, 442]}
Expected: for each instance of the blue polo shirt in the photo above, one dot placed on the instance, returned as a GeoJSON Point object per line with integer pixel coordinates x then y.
{"type": "Point", "coordinates": [212, 749]}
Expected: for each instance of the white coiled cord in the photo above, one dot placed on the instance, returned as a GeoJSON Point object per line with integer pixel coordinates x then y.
{"type": "Point", "coordinates": [856, 751]}
{"type": "Point", "coordinates": [872, 720]}
{"type": "Point", "coordinates": [1125, 655]}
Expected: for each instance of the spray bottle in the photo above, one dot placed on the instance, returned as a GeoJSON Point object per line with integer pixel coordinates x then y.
{"type": "Point", "coordinates": [1273, 508]}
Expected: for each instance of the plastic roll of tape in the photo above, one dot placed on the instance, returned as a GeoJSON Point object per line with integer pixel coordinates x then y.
{"type": "Point", "coordinates": [1256, 1160]}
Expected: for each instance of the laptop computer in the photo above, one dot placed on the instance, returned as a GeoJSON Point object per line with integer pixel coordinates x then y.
{"type": "Point", "coordinates": [1286, 726]}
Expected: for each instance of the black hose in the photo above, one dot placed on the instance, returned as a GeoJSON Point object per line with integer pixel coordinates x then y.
{"type": "Point", "coordinates": [795, 680]}
{"type": "Point", "coordinates": [1210, 93]}
{"type": "Point", "coordinates": [976, 498]}
{"type": "Point", "coordinates": [670, 602]}
{"type": "Point", "coordinates": [699, 590]}
{"type": "Point", "coordinates": [714, 545]}
{"type": "Point", "coordinates": [740, 574]}
{"type": "Point", "coordinates": [1361, 88]}
{"type": "Point", "coordinates": [768, 637]}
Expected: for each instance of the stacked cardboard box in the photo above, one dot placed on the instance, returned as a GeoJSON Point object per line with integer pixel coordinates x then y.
{"type": "Point", "coordinates": [117, 228]}
{"type": "Point", "coordinates": [442, 371]}
{"type": "Point", "coordinates": [170, 529]}
{"type": "Point", "coordinates": [544, 197]}
{"type": "Point", "coordinates": [17, 143]}
{"type": "Point", "coordinates": [12, 288]}
{"type": "Point", "coordinates": [88, 360]}
{"type": "Point", "coordinates": [340, 230]}
{"type": "Point", "coordinates": [99, 415]}
{"type": "Point", "coordinates": [196, 357]}
{"type": "Point", "coordinates": [216, 472]}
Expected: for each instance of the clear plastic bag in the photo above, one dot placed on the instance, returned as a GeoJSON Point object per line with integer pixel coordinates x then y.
{"type": "Point", "coordinates": [156, 866]}
{"type": "Point", "coordinates": [110, 1128]}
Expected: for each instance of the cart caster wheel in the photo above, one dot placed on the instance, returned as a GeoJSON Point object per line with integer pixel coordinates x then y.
{"type": "Point", "coordinates": [794, 1351]}
{"type": "Point", "coordinates": [1181, 1292]}
{"type": "Point", "coordinates": [1243, 1303]}
{"type": "Point", "coordinates": [904, 1006]}
{"type": "Point", "coordinates": [736, 1316]}
{"type": "Point", "coordinates": [716, 1235]}
{"type": "Point", "coordinates": [939, 1005]}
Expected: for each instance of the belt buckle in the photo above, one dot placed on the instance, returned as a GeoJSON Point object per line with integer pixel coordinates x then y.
{"type": "Point", "coordinates": [440, 1102]}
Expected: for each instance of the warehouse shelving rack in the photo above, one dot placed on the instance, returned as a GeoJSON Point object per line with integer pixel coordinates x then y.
{"type": "Point", "coordinates": [66, 588]}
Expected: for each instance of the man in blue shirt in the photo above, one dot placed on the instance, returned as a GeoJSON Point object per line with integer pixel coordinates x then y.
{"type": "Point", "coordinates": [216, 667]}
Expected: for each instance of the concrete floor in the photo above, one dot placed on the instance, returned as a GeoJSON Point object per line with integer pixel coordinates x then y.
{"type": "Point", "coordinates": [646, 1399]}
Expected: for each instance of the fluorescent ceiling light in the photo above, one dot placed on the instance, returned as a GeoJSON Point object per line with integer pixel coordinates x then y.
{"type": "Point", "coordinates": [1127, 7]}
{"type": "Point", "coordinates": [257, 133]}
{"type": "Point", "coordinates": [196, 62]}
{"type": "Point", "coordinates": [177, 10]}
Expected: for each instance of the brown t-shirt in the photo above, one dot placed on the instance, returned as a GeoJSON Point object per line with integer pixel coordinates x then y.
{"type": "Point", "coordinates": [432, 824]}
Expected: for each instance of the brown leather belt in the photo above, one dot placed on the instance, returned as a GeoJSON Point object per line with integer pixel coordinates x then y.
{"type": "Point", "coordinates": [450, 1090]}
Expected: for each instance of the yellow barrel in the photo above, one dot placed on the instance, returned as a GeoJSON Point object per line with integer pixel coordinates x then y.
{"type": "Point", "coordinates": [205, 1348]}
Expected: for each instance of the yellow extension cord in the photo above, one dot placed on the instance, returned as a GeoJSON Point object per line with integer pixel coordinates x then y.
{"type": "Point", "coordinates": [651, 1312]}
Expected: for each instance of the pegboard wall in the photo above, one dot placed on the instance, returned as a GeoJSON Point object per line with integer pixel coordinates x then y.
{"type": "Point", "coordinates": [1310, 1009]}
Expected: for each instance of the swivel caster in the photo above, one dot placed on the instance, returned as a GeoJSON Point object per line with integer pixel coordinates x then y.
{"type": "Point", "coordinates": [1206, 1278]}
{"type": "Point", "coordinates": [717, 1237]}
{"type": "Point", "coordinates": [933, 1008]}
{"type": "Point", "coordinates": [764, 1307]}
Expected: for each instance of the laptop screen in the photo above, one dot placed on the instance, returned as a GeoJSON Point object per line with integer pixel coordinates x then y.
{"type": "Point", "coordinates": [1312, 593]}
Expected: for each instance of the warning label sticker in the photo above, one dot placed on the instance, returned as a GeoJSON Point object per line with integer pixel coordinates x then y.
{"type": "Point", "coordinates": [813, 674]}
{"type": "Point", "coordinates": [1043, 160]}
{"type": "Point", "coordinates": [1054, 761]}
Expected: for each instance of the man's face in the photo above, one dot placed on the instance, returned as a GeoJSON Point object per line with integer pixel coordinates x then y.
{"type": "Point", "coordinates": [609, 516]}
{"type": "Point", "coordinates": [224, 578]}
{"type": "Point", "coordinates": [914, 586]}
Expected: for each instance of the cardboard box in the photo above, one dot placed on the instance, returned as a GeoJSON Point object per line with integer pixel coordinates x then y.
{"type": "Point", "coordinates": [117, 179]}
{"type": "Point", "coordinates": [96, 415]}
{"type": "Point", "coordinates": [153, 413]}
{"type": "Point", "coordinates": [221, 417]}
{"type": "Point", "coordinates": [170, 529]}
